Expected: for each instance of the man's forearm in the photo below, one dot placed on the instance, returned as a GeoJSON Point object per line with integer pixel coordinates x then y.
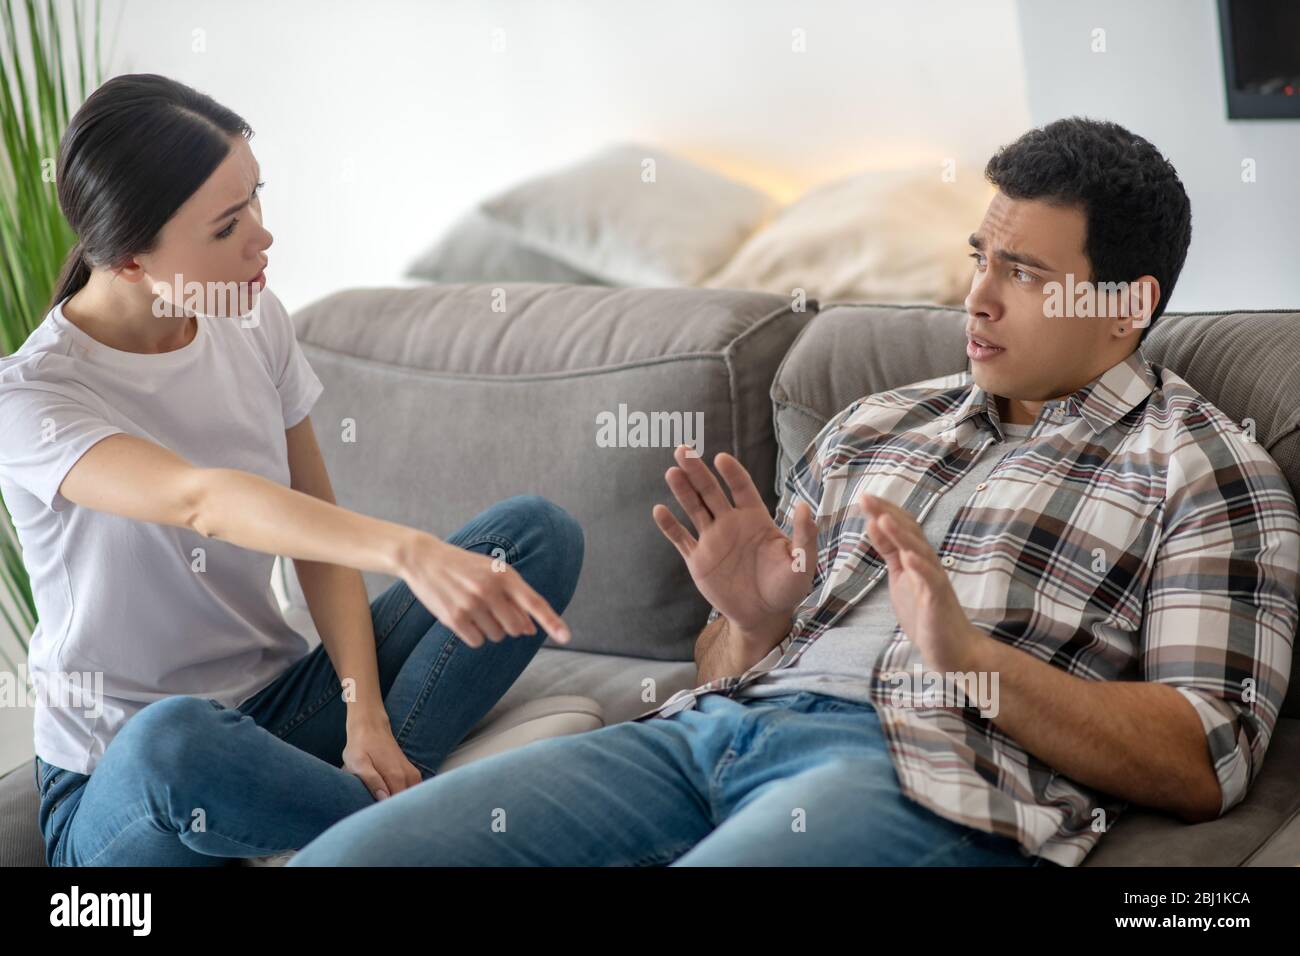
{"type": "Point", "coordinates": [1138, 740]}
{"type": "Point", "coordinates": [722, 650]}
{"type": "Point", "coordinates": [262, 515]}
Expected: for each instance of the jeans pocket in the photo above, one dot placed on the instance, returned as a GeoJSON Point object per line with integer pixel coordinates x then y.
{"type": "Point", "coordinates": [46, 775]}
{"type": "Point", "coordinates": [841, 705]}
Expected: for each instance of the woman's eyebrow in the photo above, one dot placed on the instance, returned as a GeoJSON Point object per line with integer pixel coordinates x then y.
{"type": "Point", "coordinates": [237, 206]}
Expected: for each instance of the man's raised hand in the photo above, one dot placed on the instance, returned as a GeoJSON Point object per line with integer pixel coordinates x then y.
{"type": "Point", "coordinates": [741, 561]}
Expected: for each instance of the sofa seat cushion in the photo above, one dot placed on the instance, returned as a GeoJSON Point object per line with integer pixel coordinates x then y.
{"type": "Point", "coordinates": [21, 843]}
{"type": "Point", "coordinates": [533, 720]}
{"type": "Point", "coordinates": [624, 687]}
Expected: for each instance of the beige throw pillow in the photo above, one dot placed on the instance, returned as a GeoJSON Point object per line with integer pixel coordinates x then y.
{"type": "Point", "coordinates": [895, 236]}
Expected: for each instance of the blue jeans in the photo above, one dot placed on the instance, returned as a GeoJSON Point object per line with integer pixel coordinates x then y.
{"type": "Point", "coordinates": [190, 782]}
{"type": "Point", "coordinates": [803, 779]}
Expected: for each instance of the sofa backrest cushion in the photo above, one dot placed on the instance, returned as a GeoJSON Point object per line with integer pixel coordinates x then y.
{"type": "Point", "coordinates": [461, 395]}
{"type": "Point", "coordinates": [1246, 363]}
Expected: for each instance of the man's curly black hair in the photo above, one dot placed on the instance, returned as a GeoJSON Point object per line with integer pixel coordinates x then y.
{"type": "Point", "coordinates": [1139, 220]}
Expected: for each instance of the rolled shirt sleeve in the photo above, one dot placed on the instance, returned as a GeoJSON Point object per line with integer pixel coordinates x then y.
{"type": "Point", "coordinates": [1237, 739]}
{"type": "Point", "coordinates": [1221, 607]}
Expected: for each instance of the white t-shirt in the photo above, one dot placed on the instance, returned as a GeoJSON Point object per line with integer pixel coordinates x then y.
{"type": "Point", "coordinates": [150, 610]}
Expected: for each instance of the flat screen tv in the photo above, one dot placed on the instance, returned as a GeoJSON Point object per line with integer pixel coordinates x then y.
{"type": "Point", "coordinates": [1261, 57]}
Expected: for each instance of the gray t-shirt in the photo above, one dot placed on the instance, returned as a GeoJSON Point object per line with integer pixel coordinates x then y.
{"type": "Point", "coordinates": [840, 662]}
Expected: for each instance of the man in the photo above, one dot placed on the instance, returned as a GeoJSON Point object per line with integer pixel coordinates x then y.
{"type": "Point", "coordinates": [1091, 593]}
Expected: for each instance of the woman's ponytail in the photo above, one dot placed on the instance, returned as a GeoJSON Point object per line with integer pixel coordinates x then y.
{"type": "Point", "coordinates": [72, 277]}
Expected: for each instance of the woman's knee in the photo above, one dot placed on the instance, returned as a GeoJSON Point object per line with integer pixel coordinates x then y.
{"type": "Point", "coordinates": [169, 735]}
{"type": "Point", "coordinates": [544, 531]}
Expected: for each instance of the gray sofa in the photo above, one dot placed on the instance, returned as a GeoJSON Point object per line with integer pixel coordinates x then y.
{"type": "Point", "coordinates": [440, 400]}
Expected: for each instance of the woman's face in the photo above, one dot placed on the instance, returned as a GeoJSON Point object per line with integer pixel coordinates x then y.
{"type": "Point", "coordinates": [214, 243]}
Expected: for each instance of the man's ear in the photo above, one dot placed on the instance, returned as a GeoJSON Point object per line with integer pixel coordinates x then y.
{"type": "Point", "coordinates": [1137, 305]}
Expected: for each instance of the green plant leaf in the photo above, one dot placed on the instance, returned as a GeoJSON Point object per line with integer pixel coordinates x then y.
{"type": "Point", "coordinates": [39, 91]}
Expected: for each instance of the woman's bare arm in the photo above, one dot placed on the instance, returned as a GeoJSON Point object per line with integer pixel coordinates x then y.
{"type": "Point", "coordinates": [336, 594]}
{"type": "Point", "coordinates": [139, 479]}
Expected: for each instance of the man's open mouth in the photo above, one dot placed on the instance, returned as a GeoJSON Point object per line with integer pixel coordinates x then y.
{"type": "Point", "coordinates": [980, 350]}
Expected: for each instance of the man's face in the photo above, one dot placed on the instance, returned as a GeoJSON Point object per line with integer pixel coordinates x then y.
{"type": "Point", "coordinates": [1020, 247]}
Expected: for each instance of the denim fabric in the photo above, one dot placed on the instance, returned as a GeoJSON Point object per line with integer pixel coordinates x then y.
{"type": "Point", "coordinates": [803, 779]}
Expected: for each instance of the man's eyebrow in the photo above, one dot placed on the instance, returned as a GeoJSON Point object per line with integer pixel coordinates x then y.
{"type": "Point", "coordinates": [1011, 255]}
{"type": "Point", "coordinates": [237, 206]}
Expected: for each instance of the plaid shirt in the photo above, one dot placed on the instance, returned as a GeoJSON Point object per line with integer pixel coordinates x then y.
{"type": "Point", "coordinates": [1146, 539]}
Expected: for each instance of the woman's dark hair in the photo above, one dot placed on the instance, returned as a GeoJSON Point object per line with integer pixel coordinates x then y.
{"type": "Point", "coordinates": [138, 147]}
{"type": "Point", "coordinates": [1139, 219]}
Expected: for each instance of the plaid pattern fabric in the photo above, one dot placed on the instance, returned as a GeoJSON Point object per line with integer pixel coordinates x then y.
{"type": "Point", "coordinates": [1149, 538]}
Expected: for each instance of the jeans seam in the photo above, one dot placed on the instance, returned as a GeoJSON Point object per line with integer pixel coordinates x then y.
{"type": "Point", "coordinates": [380, 638]}
{"type": "Point", "coordinates": [61, 800]}
{"type": "Point", "coordinates": [426, 688]}
{"type": "Point", "coordinates": [56, 832]}
{"type": "Point", "coordinates": [45, 776]}
{"type": "Point", "coordinates": [492, 537]}
{"type": "Point", "coordinates": [715, 782]}
{"type": "Point", "coordinates": [149, 816]}
{"type": "Point", "coordinates": [661, 856]}
{"type": "Point", "coordinates": [948, 848]}
{"type": "Point", "coordinates": [732, 756]}
{"type": "Point", "coordinates": [113, 839]}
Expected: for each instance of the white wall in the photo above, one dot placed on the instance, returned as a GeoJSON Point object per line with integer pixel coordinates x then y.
{"type": "Point", "coordinates": [379, 122]}
{"type": "Point", "coordinates": [1161, 76]}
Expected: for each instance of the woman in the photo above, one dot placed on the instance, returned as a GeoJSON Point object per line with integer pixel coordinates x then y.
{"type": "Point", "coordinates": [179, 720]}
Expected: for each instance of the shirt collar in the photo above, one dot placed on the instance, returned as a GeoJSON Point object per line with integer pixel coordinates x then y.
{"type": "Point", "coordinates": [1101, 403]}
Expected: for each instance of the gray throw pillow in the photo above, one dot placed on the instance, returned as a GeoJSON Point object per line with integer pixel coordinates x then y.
{"type": "Point", "coordinates": [477, 249]}
{"type": "Point", "coordinates": [634, 215]}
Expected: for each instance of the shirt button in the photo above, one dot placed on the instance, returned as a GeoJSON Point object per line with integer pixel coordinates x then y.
{"type": "Point", "coordinates": [948, 560]}
{"type": "Point", "coordinates": [981, 486]}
